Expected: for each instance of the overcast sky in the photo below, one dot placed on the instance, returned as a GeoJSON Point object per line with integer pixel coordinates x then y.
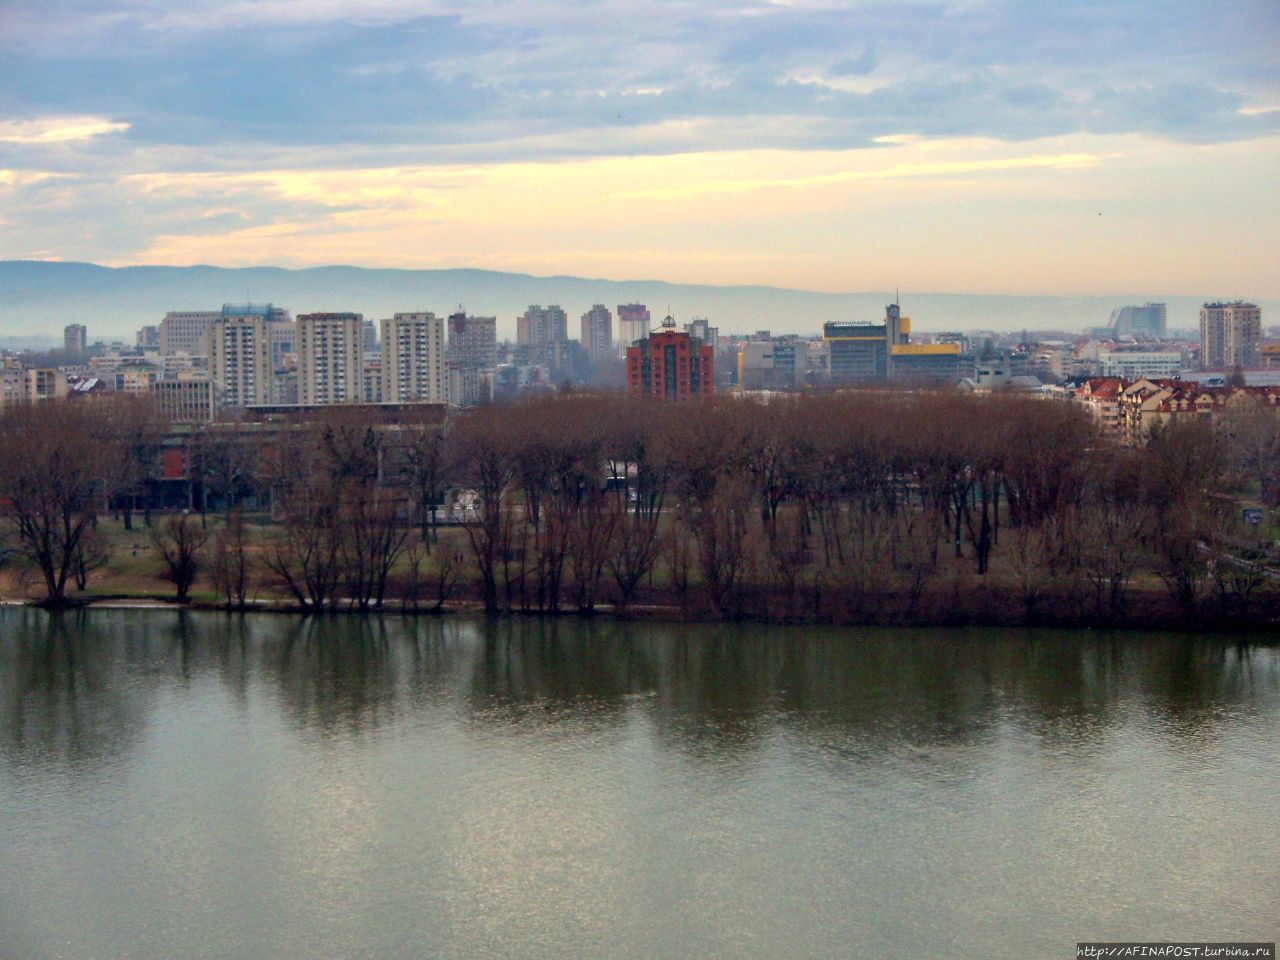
{"type": "Point", "coordinates": [1071, 147]}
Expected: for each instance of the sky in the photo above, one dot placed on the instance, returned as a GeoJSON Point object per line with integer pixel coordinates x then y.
{"type": "Point", "coordinates": [979, 146]}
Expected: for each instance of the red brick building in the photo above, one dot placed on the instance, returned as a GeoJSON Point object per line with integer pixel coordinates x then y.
{"type": "Point", "coordinates": [670, 365]}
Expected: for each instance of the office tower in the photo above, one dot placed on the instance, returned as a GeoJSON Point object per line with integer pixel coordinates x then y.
{"type": "Point", "coordinates": [861, 351]}
{"type": "Point", "coordinates": [1148, 320]}
{"type": "Point", "coordinates": [597, 332]}
{"type": "Point", "coordinates": [413, 359]}
{"type": "Point", "coordinates": [240, 355]}
{"type": "Point", "coordinates": [542, 325]}
{"type": "Point", "coordinates": [1230, 334]}
{"type": "Point", "coordinates": [473, 340]}
{"type": "Point", "coordinates": [183, 331]}
{"type": "Point", "coordinates": [330, 358]}
{"type": "Point", "coordinates": [633, 325]}
{"type": "Point", "coordinates": [671, 365]}
{"type": "Point", "coordinates": [75, 338]}
{"type": "Point", "coordinates": [148, 337]}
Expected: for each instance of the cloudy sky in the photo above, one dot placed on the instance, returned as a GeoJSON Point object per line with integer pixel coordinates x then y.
{"type": "Point", "coordinates": [1003, 146]}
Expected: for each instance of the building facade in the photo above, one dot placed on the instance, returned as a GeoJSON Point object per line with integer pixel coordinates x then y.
{"type": "Point", "coordinates": [183, 331]}
{"type": "Point", "coordinates": [330, 358]}
{"type": "Point", "coordinates": [771, 363]}
{"type": "Point", "coordinates": [539, 325]}
{"type": "Point", "coordinates": [413, 359]}
{"type": "Point", "coordinates": [240, 357]}
{"type": "Point", "coordinates": [1137, 365]}
{"type": "Point", "coordinates": [1149, 320]}
{"type": "Point", "coordinates": [75, 338]}
{"type": "Point", "coordinates": [1230, 335]}
{"type": "Point", "coordinates": [473, 340]}
{"type": "Point", "coordinates": [597, 332]}
{"type": "Point", "coordinates": [186, 400]}
{"type": "Point", "coordinates": [861, 352]}
{"type": "Point", "coordinates": [633, 325]}
{"type": "Point", "coordinates": [670, 365]}
{"type": "Point", "coordinates": [45, 384]}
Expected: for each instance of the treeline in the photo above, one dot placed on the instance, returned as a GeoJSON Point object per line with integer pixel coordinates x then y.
{"type": "Point", "coordinates": [846, 507]}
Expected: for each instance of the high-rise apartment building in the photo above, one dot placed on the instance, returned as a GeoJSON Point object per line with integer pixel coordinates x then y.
{"type": "Point", "coordinates": [670, 365]}
{"type": "Point", "coordinates": [240, 356]}
{"type": "Point", "coordinates": [75, 338]}
{"type": "Point", "coordinates": [597, 332]}
{"type": "Point", "coordinates": [540, 325]}
{"type": "Point", "coordinates": [1230, 334]}
{"type": "Point", "coordinates": [473, 340]}
{"type": "Point", "coordinates": [330, 358]}
{"type": "Point", "coordinates": [183, 331]}
{"type": "Point", "coordinates": [633, 325]}
{"type": "Point", "coordinates": [413, 359]}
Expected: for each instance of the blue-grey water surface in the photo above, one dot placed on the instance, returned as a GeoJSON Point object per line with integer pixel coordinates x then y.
{"type": "Point", "coordinates": [206, 786]}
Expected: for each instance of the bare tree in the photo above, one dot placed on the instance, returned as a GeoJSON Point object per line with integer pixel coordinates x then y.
{"type": "Point", "coordinates": [93, 552]}
{"type": "Point", "coordinates": [231, 561]}
{"type": "Point", "coordinates": [480, 451]}
{"type": "Point", "coordinates": [636, 547]}
{"type": "Point", "coordinates": [179, 539]}
{"type": "Point", "coordinates": [53, 461]}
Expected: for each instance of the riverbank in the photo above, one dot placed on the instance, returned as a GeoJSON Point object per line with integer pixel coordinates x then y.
{"type": "Point", "coordinates": [1013, 592]}
{"type": "Point", "coordinates": [1148, 608]}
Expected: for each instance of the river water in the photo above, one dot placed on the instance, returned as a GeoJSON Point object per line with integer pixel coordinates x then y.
{"type": "Point", "coordinates": [205, 786]}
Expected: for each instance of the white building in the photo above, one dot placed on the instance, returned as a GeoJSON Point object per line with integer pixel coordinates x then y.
{"type": "Point", "coordinates": [1137, 366]}
{"type": "Point", "coordinates": [413, 359]}
{"type": "Point", "coordinates": [240, 359]}
{"type": "Point", "coordinates": [597, 332]}
{"type": "Point", "coordinates": [330, 358]}
{"type": "Point", "coordinates": [183, 331]}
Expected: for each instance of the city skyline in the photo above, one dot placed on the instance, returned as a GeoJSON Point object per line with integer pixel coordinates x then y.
{"type": "Point", "coordinates": [965, 147]}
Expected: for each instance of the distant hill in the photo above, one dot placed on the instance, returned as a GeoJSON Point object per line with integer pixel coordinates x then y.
{"type": "Point", "coordinates": [37, 298]}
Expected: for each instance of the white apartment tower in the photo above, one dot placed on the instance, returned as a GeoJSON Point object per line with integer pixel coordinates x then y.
{"type": "Point", "coordinates": [240, 359]}
{"type": "Point", "coordinates": [330, 358]}
{"type": "Point", "coordinates": [597, 331]}
{"type": "Point", "coordinates": [413, 359]}
{"type": "Point", "coordinates": [1230, 335]}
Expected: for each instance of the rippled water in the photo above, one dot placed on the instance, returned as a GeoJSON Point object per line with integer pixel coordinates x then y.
{"type": "Point", "coordinates": [182, 785]}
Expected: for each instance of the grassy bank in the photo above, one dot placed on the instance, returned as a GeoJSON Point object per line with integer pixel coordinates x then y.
{"type": "Point", "coordinates": [1008, 594]}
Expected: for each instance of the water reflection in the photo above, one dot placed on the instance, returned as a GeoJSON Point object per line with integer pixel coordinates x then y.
{"type": "Point", "coordinates": [188, 785]}
{"type": "Point", "coordinates": [79, 686]}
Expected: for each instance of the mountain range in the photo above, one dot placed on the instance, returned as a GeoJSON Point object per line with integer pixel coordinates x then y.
{"type": "Point", "coordinates": [37, 298]}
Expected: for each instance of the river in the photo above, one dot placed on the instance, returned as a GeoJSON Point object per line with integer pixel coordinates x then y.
{"type": "Point", "coordinates": [191, 785]}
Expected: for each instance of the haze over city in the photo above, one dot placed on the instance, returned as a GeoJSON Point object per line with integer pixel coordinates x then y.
{"type": "Point", "coordinates": [966, 147]}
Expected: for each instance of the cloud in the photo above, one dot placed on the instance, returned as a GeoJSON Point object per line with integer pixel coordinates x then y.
{"type": "Point", "coordinates": [57, 129]}
{"type": "Point", "coordinates": [900, 171]}
{"type": "Point", "coordinates": [441, 75]}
